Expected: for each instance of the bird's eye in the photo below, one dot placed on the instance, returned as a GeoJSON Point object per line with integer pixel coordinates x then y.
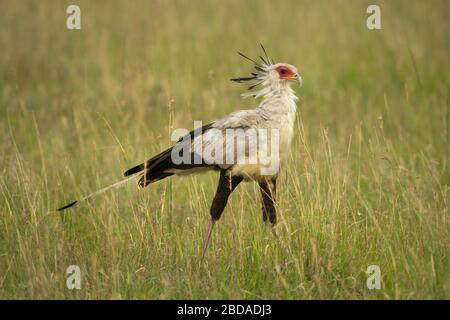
{"type": "Point", "coordinates": [283, 71]}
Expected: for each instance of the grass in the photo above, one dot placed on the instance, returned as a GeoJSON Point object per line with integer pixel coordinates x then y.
{"type": "Point", "coordinates": [367, 182]}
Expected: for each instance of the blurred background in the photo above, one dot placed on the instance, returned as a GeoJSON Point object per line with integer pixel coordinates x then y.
{"type": "Point", "coordinates": [367, 181]}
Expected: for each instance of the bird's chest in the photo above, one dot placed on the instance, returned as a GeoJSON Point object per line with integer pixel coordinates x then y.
{"type": "Point", "coordinates": [286, 133]}
{"type": "Point", "coordinates": [283, 126]}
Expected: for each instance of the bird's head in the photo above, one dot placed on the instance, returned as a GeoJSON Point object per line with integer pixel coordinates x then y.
{"type": "Point", "coordinates": [284, 72]}
{"type": "Point", "coordinates": [269, 74]}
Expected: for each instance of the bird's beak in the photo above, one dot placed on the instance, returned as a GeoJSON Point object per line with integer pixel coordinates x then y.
{"type": "Point", "coordinates": [297, 79]}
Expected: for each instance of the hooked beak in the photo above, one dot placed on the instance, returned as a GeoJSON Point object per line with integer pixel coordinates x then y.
{"type": "Point", "coordinates": [297, 79]}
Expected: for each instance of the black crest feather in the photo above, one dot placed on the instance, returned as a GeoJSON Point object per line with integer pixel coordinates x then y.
{"type": "Point", "coordinates": [258, 67]}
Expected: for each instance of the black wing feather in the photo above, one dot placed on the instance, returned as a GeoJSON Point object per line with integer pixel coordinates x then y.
{"type": "Point", "coordinates": [154, 169]}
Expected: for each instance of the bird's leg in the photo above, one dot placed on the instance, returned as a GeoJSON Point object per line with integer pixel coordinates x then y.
{"type": "Point", "coordinates": [268, 194]}
{"type": "Point", "coordinates": [225, 187]}
{"type": "Point", "coordinates": [208, 236]}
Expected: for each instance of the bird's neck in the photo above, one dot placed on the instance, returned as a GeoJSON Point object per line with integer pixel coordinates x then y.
{"type": "Point", "coordinates": [279, 98]}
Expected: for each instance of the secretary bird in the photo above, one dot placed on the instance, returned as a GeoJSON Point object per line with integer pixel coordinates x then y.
{"type": "Point", "coordinates": [263, 134]}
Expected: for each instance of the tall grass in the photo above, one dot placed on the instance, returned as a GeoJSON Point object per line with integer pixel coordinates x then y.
{"type": "Point", "coordinates": [367, 181]}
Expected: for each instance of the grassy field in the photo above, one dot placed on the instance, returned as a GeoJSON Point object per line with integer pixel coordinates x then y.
{"type": "Point", "coordinates": [367, 181]}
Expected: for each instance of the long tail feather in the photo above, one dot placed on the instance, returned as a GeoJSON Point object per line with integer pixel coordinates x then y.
{"type": "Point", "coordinates": [98, 192]}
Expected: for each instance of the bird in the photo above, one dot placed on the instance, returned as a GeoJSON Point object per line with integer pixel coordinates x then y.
{"type": "Point", "coordinates": [246, 145]}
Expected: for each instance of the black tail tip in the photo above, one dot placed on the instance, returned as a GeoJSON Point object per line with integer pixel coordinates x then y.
{"type": "Point", "coordinates": [67, 206]}
{"type": "Point", "coordinates": [133, 170]}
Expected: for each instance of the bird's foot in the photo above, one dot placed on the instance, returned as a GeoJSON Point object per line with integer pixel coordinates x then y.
{"type": "Point", "coordinates": [274, 231]}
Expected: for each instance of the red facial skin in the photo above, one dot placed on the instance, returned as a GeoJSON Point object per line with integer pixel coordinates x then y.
{"type": "Point", "coordinates": [285, 72]}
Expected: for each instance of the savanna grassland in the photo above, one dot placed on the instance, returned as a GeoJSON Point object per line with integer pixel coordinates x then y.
{"type": "Point", "coordinates": [367, 181]}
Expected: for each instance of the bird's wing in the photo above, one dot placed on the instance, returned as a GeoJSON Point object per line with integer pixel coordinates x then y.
{"type": "Point", "coordinates": [228, 140]}
{"type": "Point", "coordinates": [239, 119]}
{"type": "Point", "coordinates": [157, 162]}
{"type": "Point", "coordinates": [203, 148]}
